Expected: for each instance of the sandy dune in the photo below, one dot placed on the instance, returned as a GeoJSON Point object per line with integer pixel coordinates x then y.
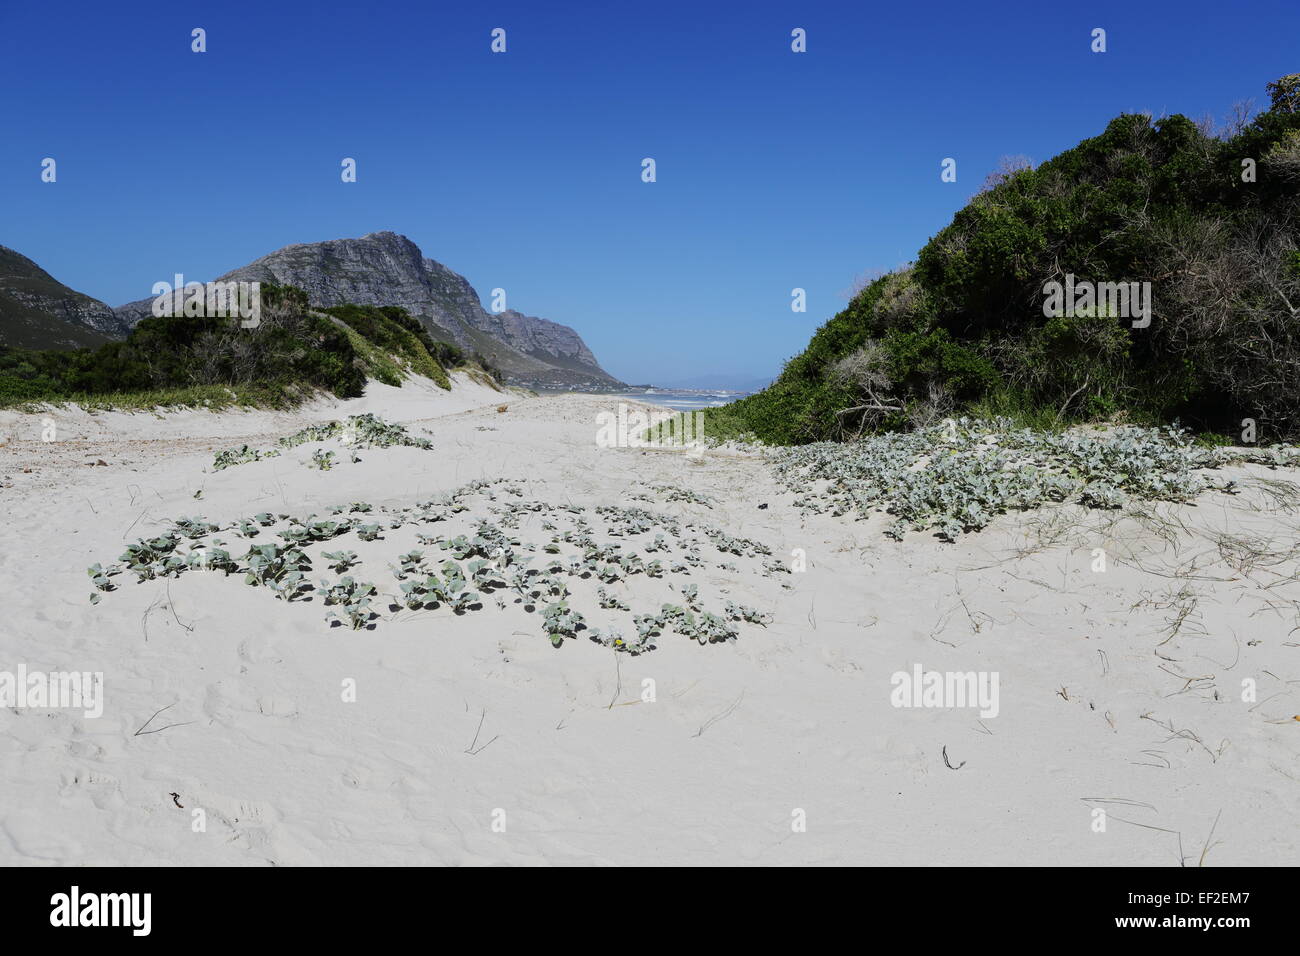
{"type": "Point", "coordinates": [1119, 690]}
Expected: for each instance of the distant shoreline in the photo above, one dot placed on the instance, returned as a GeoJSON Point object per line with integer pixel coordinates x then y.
{"type": "Point", "coordinates": [680, 399]}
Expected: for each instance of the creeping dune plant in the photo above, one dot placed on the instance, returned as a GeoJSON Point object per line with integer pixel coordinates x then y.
{"type": "Point", "coordinates": [953, 478]}
{"type": "Point", "coordinates": [483, 555]}
{"type": "Point", "coordinates": [356, 432]}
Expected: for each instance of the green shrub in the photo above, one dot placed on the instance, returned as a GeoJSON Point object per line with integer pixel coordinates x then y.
{"type": "Point", "coordinates": [918, 360]}
{"type": "Point", "coordinates": [1156, 202]}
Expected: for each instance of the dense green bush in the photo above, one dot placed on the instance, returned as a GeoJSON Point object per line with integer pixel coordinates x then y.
{"type": "Point", "coordinates": [289, 351]}
{"type": "Point", "coordinates": [922, 359]}
{"type": "Point", "coordinates": [1146, 201]}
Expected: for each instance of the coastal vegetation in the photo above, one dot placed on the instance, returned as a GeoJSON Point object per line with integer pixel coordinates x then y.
{"type": "Point", "coordinates": [492, 551]}
{"type": "Point", "coordinates": [1207, 220]}
{"type": "Point", "coordinates": [293, 353]}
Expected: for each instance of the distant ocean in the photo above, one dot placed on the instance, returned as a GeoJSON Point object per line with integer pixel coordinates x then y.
{"type": "Point", "coordinates": [683, 400]}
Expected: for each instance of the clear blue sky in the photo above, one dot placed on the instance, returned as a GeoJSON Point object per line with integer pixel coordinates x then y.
{"type": "Point", "coordinates": [522, 170]}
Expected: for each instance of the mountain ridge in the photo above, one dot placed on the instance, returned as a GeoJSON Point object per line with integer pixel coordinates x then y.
{"type": "Point", "coordinates": [39, 311]}
{"type": "Point", "coordinates": [384, 268]}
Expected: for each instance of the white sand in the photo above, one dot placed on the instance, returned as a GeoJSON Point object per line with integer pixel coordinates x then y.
{"type": "Point", "coordinates": [1099, 706]}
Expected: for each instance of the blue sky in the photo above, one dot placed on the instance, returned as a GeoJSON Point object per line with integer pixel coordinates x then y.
{"type": "Point", "coordinates": [522, 170]}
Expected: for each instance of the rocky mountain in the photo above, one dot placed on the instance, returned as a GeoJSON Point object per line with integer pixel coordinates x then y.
{"type": "Point", "coordinates": [383, 268]}
{"type": "Point", "coordinates": [542, 339]}
{"type": "Point", "coordinates": [39, 312]}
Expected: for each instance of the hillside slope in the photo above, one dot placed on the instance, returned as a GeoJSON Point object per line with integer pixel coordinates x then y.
{"type": "Point", "coordinates": [39, 312]}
